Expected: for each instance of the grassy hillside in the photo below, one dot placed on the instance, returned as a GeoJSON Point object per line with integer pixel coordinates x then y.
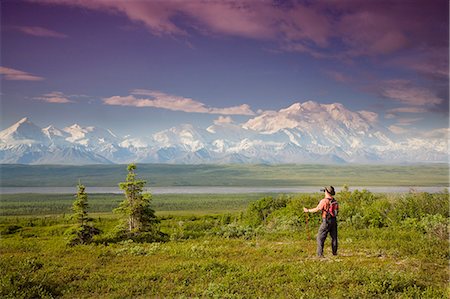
{"type": "Point", "coordinates": [227, 175]}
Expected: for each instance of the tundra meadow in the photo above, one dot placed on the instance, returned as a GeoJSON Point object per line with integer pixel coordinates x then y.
{"type": "Point", "coordinates": [228, 246]}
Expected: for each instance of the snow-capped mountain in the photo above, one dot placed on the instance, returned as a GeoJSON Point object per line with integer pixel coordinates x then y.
{"type": "Point", "coordinates": [302, 133]}
{"type": "Point", "coordinates": [23, 132]}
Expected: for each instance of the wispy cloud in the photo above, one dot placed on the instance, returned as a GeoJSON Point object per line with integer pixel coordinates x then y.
{"type": "Point", "coordinates": [54, 97]}
{"type": "Point", "coordinates": [370, 116]}
{"type": "Point", "coordinates": [415, 39]}
{"type": "Point", "coordinates": [338, 76]}
{"type": "Point", "coordinates": [430, 62]}
{"type": "Point", "coordinates": [398, 130]}
{"type": "Point", "coordinates": [223, 120]}
{"type": "Point", "coordinates": [405, 92]}
{"type": "Point", "coordinates": [158, 99]}
{"type": "Point", "coordinates": [442, 133]}
{"type": "Point", "coordinates": [407, 121]}
{"type": "Point", "coordinates": [12, 74]}
{"type": "Point", "coordinates": [39, 31]}
{"type": "Point", "coordinates": [362, 27]}
{"type": "Point", "coordinates": [407, 110]}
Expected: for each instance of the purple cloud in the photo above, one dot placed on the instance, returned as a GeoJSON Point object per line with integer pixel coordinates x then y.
{"type": "Point", "coordinates": [338, 76]}
{"type": "Point", "coordinates": [405, 92]}
{"type": "Point", "coordinates": [12, 74]}
{"type": "Point", "coordinates": [362, 27]}
{"type": "Point", "coordinates": [40, 31]}
{"type": "Point", "coordinates": [162, 100]}
{"type": "Point", "coordinates": [54, 97]}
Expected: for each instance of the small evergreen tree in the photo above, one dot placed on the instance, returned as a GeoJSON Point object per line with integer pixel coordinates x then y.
{"type": "Point", "coordinates": [83, 231]}
{"type": "Point", "coordinates": [80, 206]}
{"type": "Point", "coordinates": [139, 220]}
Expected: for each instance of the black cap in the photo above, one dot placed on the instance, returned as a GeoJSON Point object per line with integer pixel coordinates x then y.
{"type": "Point", "coordinates": [329, 189]}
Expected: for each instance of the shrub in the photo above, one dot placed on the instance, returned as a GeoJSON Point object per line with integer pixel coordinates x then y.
{"type": "Point", "coordinates": [236, 231]}
{"type": "Point", "coordinates": [28, 279]}
{"type": "Point", "coordinates": [11, 229]}
{"type": "Point", "coordinates": [376, 213]}
{"type": "Point", "coordinates": [259, 211]}
{"type": "Point", "coordinates": [351, 205]}
{"type": "Point", "coordinates": [417, 205]}
{"type": "Point", "coordinates": [435, 225]}
{"type": "Point", "coordinates": [82, 234]}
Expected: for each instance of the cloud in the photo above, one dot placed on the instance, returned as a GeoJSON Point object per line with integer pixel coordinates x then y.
{"type": "Point", "coordinates": [407, 110]}
{"type": "Point", "coordinates": [397, 130]}
{"type": "Point", "coordinates": [223, 120]}
{"type": "Point", "coordinates": [371, 33]}
{"type": "Point", "coordinates": [171, 102]}
{"type": "Point", "coordinates": [338, 76]}
{"type": "Point", "coordinates": [12, 74]}
{"type": "Point", "coordinates": [40, 31]}
{"type": "Point", "coordinates": [54, 97]}
{"type": "Point", "coordinates": [430, 62]}
{"type": "Point", "coordinates": [405, 92]}
{"type": "Point", "coordinates": [361, 27]}
{"type": "Point", "coordinates": [442, 133]}
{"type": "Point", "coordinates": [370, 116]}
{"type": "Point", "coordinates": [405, 121]}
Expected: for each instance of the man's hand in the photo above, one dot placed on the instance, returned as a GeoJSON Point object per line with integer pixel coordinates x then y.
{"type": "Point", "coordinates": [305, 210]}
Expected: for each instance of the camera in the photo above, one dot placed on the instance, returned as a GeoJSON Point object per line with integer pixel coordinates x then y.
{"type": "Point", "coordinates": [322, 190]}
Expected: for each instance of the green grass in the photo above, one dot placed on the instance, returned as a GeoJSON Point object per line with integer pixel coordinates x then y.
{"type": "Point", "coordinates": [228, 175]}
{"type": "Point", "coordinates": [212, 251]}
{"type": "Point", "coordinates": [36, 262]}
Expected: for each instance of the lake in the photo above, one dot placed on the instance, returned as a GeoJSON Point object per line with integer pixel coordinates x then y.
{"type": "Point", "coordinates": [212, 190]}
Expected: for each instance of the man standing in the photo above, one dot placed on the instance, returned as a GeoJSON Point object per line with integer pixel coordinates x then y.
{"type": "Point", "coordinates": [329, 208]}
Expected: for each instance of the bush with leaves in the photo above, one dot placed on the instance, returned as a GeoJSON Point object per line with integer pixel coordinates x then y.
{"type": "Point", "coordinates": [419, 204]}
{"type": "Point", "coordinates": [259, 211]}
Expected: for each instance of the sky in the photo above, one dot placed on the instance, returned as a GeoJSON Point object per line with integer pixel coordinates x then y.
{"type": "Point", "coordinates": [137, 67]}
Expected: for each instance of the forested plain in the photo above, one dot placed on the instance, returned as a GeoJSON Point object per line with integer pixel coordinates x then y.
{"type": "Point", "coordinates": [228, 175]}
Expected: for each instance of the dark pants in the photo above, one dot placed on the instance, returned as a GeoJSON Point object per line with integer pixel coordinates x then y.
{"type": "Point", "coordinates": [327, 226]}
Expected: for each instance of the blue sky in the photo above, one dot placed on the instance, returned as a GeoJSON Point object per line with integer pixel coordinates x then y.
{"type": "Point", "coordinates": [137, 67]}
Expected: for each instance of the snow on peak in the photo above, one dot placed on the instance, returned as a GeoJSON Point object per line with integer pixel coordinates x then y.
{"type": "Point", "coordinates": [76, 132]}
{"type": "Point", "coordinates": [23, 130]}
{"type": "Point", "coordinates": [293, 108]}
{"type": "Point", "coordinates": [51, 131]}
{"type": "Point", "coordinates": [75, 127]}
{"type": "Point", "coordinates": [311, 105]}
{"type": "Point", "coordinates": [311, 116]}
{"type": "Point", "coordinates": [23, 120]}
{"type": "Point", "coordinates": [185, 136]}
{"type": "Point", "coordinates": [302, 132]}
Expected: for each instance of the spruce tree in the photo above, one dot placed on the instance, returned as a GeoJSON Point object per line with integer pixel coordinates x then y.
{"type": "Point", "coordinates": [139, 220]}
{"type": "Point", "coordinates": [83, 231]}
{"type": "Point", "coordinates": [80, 206]}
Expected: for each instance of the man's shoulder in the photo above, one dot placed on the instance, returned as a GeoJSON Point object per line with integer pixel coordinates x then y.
{"type": "Point", "coordinates": [323, 201]}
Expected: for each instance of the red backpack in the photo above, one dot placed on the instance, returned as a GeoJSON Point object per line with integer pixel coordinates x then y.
{"type": "Point", "coordinates": [332, 208]}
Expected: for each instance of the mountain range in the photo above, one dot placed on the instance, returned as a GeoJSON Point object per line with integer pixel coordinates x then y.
{"type": "Point", "coordinates": [306, 132]}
